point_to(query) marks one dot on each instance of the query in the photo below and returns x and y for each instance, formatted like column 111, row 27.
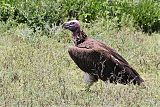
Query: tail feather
column 135, row 77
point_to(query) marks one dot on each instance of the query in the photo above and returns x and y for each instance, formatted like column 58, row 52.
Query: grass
column 36, row 13
column 36, row 71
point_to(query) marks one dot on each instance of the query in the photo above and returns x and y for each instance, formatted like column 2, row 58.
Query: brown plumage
column 99, row 61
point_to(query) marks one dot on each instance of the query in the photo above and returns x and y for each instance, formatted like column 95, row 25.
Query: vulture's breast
column 86, row 58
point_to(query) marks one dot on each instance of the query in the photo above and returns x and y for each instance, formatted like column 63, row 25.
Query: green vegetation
column 36, row 13
column 36, row 70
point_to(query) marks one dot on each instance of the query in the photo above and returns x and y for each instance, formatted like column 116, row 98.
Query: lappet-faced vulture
column 98, row 60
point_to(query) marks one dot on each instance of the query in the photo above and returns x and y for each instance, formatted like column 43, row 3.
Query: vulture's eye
column 72, row 23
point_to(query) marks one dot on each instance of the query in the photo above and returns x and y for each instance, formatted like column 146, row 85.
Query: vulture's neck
column 79, row 37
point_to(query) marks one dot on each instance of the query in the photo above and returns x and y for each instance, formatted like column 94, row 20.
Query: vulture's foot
column 87, row 89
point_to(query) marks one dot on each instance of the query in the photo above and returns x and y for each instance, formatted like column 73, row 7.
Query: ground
column 36, row 70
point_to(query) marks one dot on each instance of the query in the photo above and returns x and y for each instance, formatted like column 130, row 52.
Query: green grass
column 36, row 13
column 36, row 71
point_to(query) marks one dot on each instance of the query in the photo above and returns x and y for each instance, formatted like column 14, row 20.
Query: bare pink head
column 78, row 35
column 72, row 25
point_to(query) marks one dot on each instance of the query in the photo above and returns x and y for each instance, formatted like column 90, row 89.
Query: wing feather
column 117, row 59
column 123, row 65
column 87, row 57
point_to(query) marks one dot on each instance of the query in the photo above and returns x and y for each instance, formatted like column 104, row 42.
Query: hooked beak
column 66, row 25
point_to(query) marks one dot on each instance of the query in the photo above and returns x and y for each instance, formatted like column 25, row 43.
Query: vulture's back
column 96, row 58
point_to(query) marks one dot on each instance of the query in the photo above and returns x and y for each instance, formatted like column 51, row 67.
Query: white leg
column 89, row 80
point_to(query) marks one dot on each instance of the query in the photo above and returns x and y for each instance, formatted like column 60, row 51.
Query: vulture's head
column 72, row 25
column 78, row 35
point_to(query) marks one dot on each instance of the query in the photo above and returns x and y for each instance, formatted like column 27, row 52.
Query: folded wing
column 105, row 63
